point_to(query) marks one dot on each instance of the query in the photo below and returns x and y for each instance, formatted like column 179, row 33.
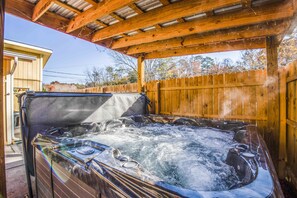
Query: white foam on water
column 185, row 156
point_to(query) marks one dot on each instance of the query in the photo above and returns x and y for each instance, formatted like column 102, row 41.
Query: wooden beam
column 165, row 2
column 2, row 119
column 202, row 49
column 275, row 11
column 41, row 7
column 292, row 25
column 161, row 15
column 136, row 9
column 180, row 20
column 273, row 105
column 246, row 32
column 140, row 73
column 247, row 3
column 100, row 10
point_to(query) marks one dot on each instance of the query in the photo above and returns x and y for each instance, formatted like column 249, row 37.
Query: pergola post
column 2, row 140
column 140, row 73
column 273, row 108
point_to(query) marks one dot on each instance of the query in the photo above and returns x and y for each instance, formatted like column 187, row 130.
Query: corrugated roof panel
column 132, row 15
column 132, row 33
column 126, row 12
column 62, row 11
column 32, row 1
column 193, row 17
column 228, row 9
column 79, row 4
column 117, row 37
column 108, row 20
column 169, row 23
column 94, row 26
column 114, row 22
column 147, row 5
column 148, row 28
column 262, row 2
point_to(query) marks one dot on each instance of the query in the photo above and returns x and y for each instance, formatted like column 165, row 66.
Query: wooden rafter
column 161, row 15
column 210, row 13
column 165, row 2
column 247, row 3
column 139, row 11
column 180, row 20
column 246, row 32
column 292, row 26
column 230, row 46
column 49, row 19
column 117, row 17
column 41, row 7
column 101, row 9
column 273, row 12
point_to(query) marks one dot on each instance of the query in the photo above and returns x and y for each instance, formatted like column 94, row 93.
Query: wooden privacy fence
column 288, row 126
column 235, row 96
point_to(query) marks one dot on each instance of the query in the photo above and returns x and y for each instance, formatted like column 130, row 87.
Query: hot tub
column 133, row 154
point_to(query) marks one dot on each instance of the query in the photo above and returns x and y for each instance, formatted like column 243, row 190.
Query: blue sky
column 70, row 54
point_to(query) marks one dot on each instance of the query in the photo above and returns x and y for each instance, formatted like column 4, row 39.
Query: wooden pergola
column 149, row 29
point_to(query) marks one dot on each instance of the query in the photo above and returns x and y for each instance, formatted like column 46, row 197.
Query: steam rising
column 189, row 157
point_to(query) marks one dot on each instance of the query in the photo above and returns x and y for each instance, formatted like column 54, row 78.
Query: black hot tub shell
column 62, row 168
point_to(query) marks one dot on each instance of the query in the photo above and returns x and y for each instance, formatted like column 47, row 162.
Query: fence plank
column 283, row 127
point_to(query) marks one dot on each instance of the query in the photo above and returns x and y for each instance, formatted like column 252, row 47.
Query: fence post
column 157, row 103
column 273, row 108
column 283, row 124
column 140, row 73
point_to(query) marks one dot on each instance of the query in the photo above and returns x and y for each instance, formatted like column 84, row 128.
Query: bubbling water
column 184, row 156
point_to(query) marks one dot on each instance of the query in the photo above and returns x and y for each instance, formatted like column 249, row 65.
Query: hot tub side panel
column 52, row 179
